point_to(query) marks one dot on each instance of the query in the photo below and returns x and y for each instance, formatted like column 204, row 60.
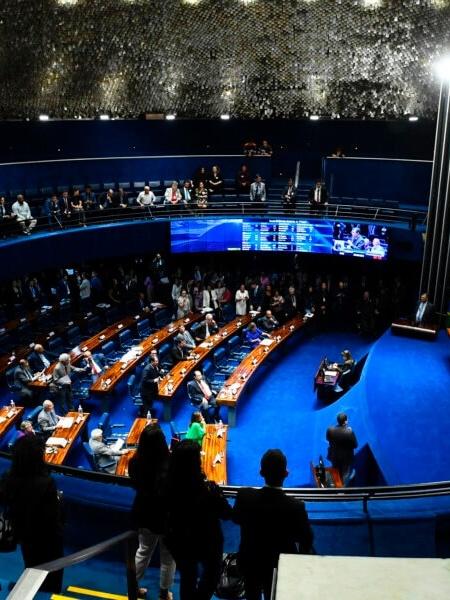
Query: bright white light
column 192, row 2
column 443, row 68
column 43, row 117
column 225, row 117
column 66, row 2
column 248, row 1
column 372, row 3
column 314, row 117
column 170, row 117
column 104, row 117
column 413, row 118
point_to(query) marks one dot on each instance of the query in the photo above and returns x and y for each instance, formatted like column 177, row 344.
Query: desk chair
column 176, row 435
column 134, row 390
column 93, row 461
column 125, row 339
column 143, row 328
column 93, row 325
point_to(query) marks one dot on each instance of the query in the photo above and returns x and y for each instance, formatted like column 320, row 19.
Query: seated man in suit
column 271, row 523
column 356, row 241
column 187, row 192
column 202, row 396
column 268, row 322
column 47, row 418
column 189, row 340
column 289, row 194
column 94, row 364
column 52, row 210
column 105, row 457
column 22, row 379
column 207, row 327
column 342, row 443
column 40, row 360
column 425, row 312
column 179, row 351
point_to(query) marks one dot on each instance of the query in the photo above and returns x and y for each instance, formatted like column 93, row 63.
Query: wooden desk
column 212, row 446
column 409, row 328
column 169, row 385
column 322, row 384
column 9, row 421
column 132, row 440
column 234, row 385
column 109, row 378
column 71, row 435
column 91, row 344
column 448, row 331
column 332, row 477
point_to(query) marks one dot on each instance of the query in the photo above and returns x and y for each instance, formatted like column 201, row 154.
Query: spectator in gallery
column 250, row 147
column 241, row 298
column 119, row 199
column 146, row 197
column 265, row 149
column 52, row 209
column 187, row 192
column 34, row 508
column 172, row 194
column 318, row 196
column 425, row 311
column 108, row 200
column 64, row 204
column 148, row 471
column 22, row 212
column 243, row 181
column 200, row 175
column 271, row 523
column 341, row 446
column 201, row 193
column 89, row 199
column 289, row 194
column 215, row 181
column 192, row 499
column 338, row 153
column 76, row 206
column 258, row 190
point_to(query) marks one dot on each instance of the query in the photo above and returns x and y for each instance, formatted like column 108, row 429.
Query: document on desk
column 118, row 445
column 2, row 419
column 330, row 373
column 267, row 342
column 56, row 441
column 65, row 422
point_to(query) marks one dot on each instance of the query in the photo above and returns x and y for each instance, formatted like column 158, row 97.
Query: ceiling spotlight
column 314, row 117
column 443, row 68
column 170, row 117
column 225, row 117
column 43, row 117
column 413, row 118
column 104, row 117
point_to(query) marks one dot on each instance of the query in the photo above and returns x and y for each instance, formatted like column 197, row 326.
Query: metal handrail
column 31, row 579
column 232, row 206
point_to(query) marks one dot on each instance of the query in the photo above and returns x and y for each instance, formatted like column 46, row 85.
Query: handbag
column 8, row 542
column 231, row 582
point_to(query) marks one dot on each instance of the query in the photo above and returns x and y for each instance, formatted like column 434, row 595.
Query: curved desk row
column 109, row 378
column 63, row 439
column 170, row 384
column 234, row 386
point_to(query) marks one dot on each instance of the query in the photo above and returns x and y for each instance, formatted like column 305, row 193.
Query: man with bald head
column 146, row 198
column 207, row 327
column 47, row 418
column 63, row 382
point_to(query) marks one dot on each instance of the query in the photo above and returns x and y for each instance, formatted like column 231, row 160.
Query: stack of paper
column 56, row 441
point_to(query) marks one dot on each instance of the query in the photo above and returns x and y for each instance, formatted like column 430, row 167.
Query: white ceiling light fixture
column 104, row 117
column 442, row 68
column 44, row 117
column 225, row 117
column 170, row 117
column 314, row 117
column 413, row 118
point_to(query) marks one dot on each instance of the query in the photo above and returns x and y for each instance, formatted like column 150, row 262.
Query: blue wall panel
column 406, row 181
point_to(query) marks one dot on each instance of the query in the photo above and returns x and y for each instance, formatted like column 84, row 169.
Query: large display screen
column 280, row 235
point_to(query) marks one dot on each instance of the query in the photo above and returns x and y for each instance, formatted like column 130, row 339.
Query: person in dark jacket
column 34, row 507
column 194, row 536
column 271, row 523
column 151, row 376
column 147, row 471
column 342, row 443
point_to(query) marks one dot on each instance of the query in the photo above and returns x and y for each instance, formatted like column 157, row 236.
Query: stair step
column 62, row 597
column 95, row 593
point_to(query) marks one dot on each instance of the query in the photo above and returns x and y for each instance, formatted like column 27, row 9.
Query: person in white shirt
column 184, row 305
column 176, row 291
column 85, row 288
column 21, row 210
column 241, row 299
column 376, row 249
column 146, row 198
column 172, row 194
column 258, row 190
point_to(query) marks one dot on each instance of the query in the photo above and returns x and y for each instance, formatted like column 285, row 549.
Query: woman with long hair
column 194, row 536
column 34, row 508
column 147, row 471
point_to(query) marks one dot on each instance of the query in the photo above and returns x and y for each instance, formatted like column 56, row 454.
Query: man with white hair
column 21, row 210
column 63, row 382
column 47, row 418
column 105, row 457
column 146, row 197
column 206, row 328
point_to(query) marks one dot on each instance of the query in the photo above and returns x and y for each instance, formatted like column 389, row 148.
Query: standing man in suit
column 203, row 396
column 62, row 379
column 289, row 194
column 255, row 296
column 271, row 523
column 425, row 311
column 151, row 376
column 187, row 192
column 22, row 379
column 342, row 444
column 318, row 196
column 292, row 303
column 258, row 190
column 40, row 360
